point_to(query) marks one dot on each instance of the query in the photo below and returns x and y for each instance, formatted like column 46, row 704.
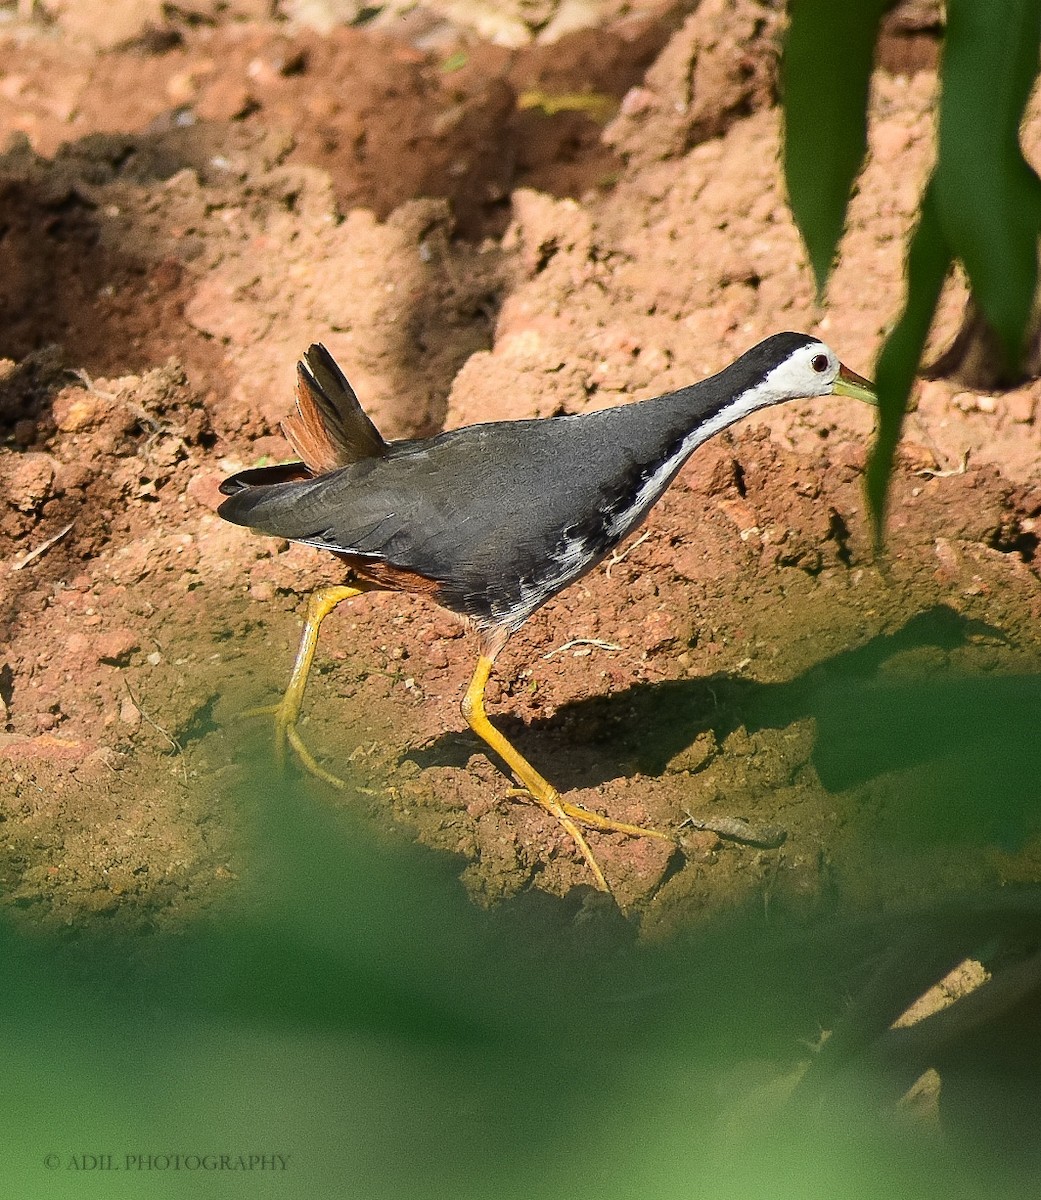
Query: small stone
column 986, row 404
column 700, row 845
column 154, row 659
column 263, row 590
column 225, row 100
column 1020, row 407
column 116, row 647
column 76, row 644
column 27, row 480
column 75, row 410
column 949, row 559
column 129, row 713
column 659, row 630
column 437, row 656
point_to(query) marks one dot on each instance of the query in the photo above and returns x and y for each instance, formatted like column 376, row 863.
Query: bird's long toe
column 286, row 715
column 290, row 733
column 595, row 820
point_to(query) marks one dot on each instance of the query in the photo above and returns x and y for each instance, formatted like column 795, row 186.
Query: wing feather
column 329, row 429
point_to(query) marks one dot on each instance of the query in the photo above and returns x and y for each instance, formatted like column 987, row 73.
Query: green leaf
column 928, row 261
column 988, row 199
column 825, row 73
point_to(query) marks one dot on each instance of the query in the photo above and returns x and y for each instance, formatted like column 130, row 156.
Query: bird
column 491, row 520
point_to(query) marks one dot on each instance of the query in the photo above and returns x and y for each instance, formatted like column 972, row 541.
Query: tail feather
column 329, row 429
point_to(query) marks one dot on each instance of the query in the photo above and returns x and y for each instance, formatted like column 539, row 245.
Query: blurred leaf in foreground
column 349, row 1009
column 928, row 262
column 826, row 70
column 982, row 206
column 987, row 196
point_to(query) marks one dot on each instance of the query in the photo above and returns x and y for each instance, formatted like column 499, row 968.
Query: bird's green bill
column 849, row 383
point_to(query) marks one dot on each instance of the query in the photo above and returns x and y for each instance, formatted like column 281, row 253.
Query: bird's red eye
column 819, row 362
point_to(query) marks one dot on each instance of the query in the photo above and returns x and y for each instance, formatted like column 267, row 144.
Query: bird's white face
column 814, row 370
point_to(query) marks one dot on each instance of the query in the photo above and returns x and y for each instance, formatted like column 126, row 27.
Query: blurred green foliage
column 982, row 206
column 827, row 64
column 348, row 1007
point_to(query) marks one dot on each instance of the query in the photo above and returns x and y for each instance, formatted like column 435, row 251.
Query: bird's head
column 795, row 364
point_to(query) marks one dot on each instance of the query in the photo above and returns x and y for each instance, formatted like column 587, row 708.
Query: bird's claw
column 308, row 761
column 286, row 731
column 588, row 818
column 260, row 710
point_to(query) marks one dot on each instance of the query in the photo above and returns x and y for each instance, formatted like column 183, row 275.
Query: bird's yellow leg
column 287, row 711
column 540, row 790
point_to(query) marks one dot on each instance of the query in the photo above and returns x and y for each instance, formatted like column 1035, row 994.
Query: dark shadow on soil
column 106, row 274
column 66, row 282
column 965, row 746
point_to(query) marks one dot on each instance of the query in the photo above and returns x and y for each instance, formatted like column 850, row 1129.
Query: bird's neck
column 705, row 408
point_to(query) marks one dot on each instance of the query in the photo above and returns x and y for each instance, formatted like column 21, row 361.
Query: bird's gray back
column 502, row 514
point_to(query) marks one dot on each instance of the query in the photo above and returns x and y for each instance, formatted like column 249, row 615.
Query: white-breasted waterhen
column 492, row 520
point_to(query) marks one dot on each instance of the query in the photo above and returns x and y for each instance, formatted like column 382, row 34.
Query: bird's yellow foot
column 532, row 783
column 287, row 711
column 550, row 801
column 595, row 820
column 570, row 815
column 547, row 796
column 286, row 715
